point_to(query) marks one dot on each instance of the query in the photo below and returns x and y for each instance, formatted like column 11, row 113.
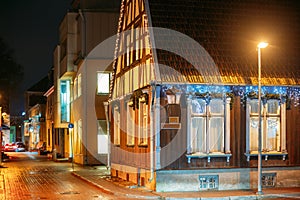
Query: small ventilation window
column 268, row 179
column 209, row 182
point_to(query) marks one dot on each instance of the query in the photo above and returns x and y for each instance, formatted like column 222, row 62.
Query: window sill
column 266, row 154
column 143, row 145
column 208, row 156
column 130, row 145
column 171, row 125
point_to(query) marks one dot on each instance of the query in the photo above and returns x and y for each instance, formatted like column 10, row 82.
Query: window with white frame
column 102, row 139
column 130, row 125
column 75, row 88
column 208, row 128
column 79, row 88
column 103, row 82
column 272, row 126
column 143, row 123
column 78, row 137
column 65, row 99
column 117, row 126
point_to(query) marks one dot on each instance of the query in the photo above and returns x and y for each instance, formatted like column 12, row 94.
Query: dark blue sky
column 30, row 28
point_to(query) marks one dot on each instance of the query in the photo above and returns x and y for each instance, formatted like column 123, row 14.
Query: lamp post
column 71, row 126
column 1, row 135
column 260, row 46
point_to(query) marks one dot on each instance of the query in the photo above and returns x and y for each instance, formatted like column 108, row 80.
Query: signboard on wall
column 12, row 137
column 26, row 129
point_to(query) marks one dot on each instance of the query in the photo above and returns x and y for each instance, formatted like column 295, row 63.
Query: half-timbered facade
column 184, row 97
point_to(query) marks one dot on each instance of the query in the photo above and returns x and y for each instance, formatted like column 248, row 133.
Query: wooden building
column 184, row 97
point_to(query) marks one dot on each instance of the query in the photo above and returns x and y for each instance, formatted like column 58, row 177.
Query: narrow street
column 30, row 176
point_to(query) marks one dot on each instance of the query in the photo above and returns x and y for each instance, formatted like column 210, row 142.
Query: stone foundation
column 228, row 179
column 140, row 177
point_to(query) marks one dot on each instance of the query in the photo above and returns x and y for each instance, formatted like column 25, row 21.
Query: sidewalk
column 99, row 176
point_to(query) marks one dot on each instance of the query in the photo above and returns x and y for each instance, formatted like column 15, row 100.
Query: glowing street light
column 260, row 46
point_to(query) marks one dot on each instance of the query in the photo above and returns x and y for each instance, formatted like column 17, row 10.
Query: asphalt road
column 27, row 175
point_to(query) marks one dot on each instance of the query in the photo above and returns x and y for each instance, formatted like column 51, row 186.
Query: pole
column 72, row 148
column 1, row 135
column 106, row 104
column 259, row 167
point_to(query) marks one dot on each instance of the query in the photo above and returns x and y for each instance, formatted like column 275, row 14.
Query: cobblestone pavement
column 29, row 176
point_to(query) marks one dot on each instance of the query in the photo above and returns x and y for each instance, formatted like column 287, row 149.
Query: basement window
column 209, row 182
column 268, row 179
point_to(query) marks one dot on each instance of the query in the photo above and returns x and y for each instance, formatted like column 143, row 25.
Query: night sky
column 30, row 28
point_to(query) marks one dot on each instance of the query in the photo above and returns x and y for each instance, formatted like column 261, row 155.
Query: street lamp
column 1, row 135
column 260, row 46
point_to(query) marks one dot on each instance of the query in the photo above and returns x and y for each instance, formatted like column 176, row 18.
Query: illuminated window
column 103, row 82
column 75, row 136
column 209, row 130
column 79, row 136
column 130, row 125
column 143, row 123
column 79, row 89
column 65, row 100
column 102, row 139
column 207, row 126
column 75, row 88
column 272, row 129
column 117, row 126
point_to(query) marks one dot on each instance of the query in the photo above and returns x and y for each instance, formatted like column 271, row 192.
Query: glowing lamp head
column 262, row 45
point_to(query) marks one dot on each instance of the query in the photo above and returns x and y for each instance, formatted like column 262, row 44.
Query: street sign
column 70, row 125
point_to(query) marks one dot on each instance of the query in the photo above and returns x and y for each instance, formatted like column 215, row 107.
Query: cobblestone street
column 29, row 176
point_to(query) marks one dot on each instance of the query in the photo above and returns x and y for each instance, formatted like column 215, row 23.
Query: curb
column 160, row 197
column 107, row 191
column 104, row 190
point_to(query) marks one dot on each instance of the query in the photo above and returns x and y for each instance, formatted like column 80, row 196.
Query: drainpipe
column 1, row 134
column 108, row 133
column 83, row 38
column 152, row 133
column 157, row 127
column 83, row 27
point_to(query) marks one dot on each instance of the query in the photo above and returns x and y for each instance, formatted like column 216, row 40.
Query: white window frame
column 103, row 82
column 279, row 138
column 65, row 101
column 117, row 127
column 79, row 86
column 79, row 137
column 130, row 125
column 207, row 115
column 75, row 88
column 143, row 123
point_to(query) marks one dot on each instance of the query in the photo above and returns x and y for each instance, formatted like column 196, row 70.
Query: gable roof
column 41, row 86
column 229, row 31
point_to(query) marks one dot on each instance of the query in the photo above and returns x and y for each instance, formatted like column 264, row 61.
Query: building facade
column 184, row 109
column 34, row 123
column 79, row 110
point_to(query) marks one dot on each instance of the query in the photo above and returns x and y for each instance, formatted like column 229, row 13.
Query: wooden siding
column 237, row 141
column 130, row 155
column 99, row 107
column 293, row 134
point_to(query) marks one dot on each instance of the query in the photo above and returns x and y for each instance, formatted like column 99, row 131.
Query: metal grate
column 209, row 182
column 268, row 179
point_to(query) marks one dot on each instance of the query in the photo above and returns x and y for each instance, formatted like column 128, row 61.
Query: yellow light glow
column 262, row 45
